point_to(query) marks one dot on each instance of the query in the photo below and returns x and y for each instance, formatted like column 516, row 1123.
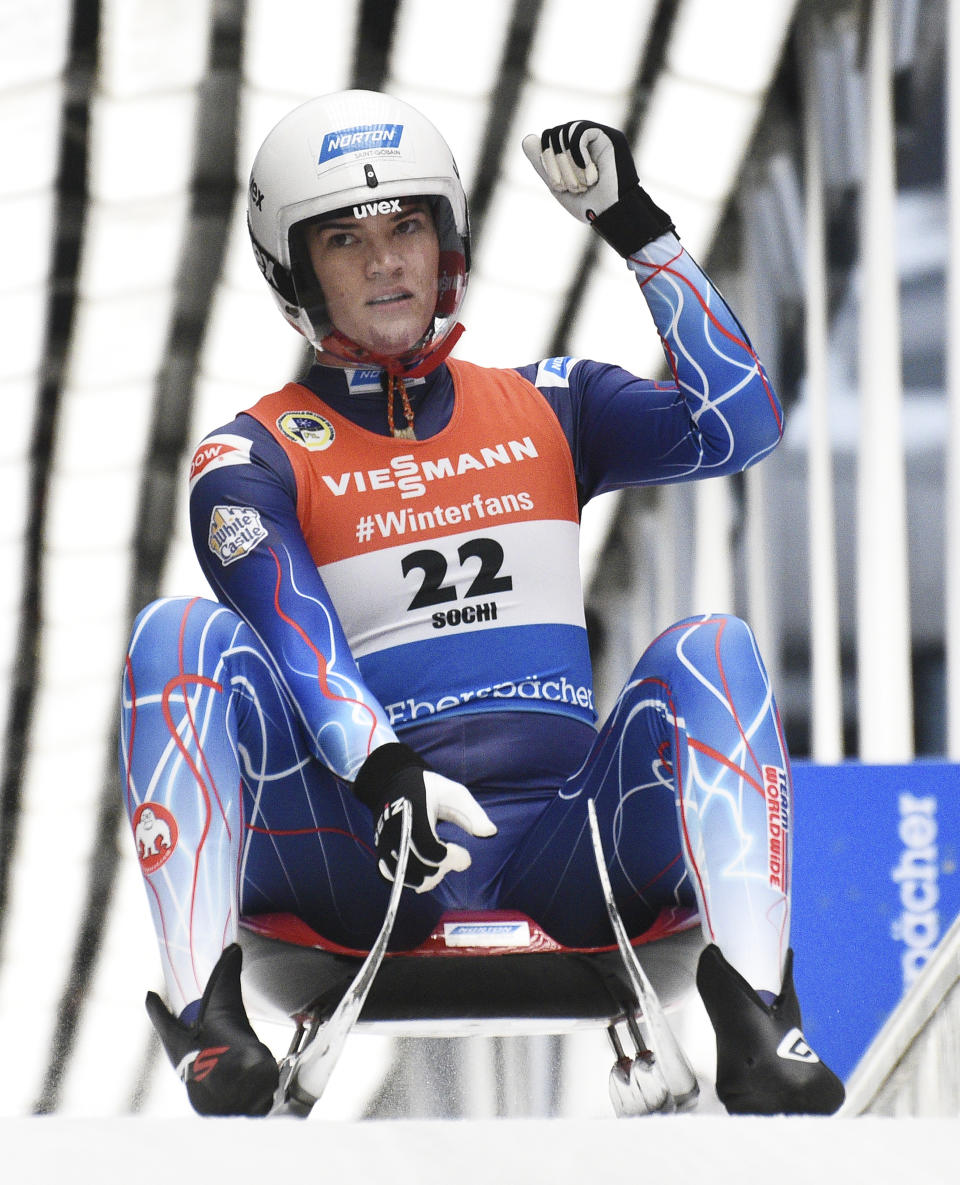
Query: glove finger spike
column 553, row 168
column 572, row 178
column 586, row 174
column 456, row 860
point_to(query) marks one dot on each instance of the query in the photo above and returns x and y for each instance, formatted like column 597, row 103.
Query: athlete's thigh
column 309, row 845
column 310, row 852
column 628, row 773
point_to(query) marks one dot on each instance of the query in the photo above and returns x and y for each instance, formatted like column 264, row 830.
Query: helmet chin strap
column 394, row 370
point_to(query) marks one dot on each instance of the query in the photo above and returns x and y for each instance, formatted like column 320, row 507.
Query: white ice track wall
column 910, row 1068
column 511, row 1152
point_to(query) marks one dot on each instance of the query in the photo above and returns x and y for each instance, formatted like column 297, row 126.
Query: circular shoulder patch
column 307, row 429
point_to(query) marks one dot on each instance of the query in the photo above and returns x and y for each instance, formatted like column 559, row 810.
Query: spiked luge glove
column 394, row 772
column 590, row 171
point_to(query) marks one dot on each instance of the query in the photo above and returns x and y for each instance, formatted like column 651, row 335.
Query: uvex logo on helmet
column 360, row 139
column 369, row 209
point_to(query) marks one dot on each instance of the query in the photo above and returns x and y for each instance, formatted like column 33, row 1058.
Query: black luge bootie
column 764, row 1064
column 226, row 1068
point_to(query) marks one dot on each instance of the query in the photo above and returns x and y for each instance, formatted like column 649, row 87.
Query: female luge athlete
column 392, row 543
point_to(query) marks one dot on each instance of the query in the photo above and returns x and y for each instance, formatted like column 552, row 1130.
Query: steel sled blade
column 669, row 1058
column 305, row 1073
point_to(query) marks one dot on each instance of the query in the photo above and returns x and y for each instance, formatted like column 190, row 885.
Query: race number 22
column 433, row 565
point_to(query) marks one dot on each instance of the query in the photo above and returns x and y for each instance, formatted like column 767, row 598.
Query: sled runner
column 490, row 972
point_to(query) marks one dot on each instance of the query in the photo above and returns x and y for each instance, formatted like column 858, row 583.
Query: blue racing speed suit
column 371, row 589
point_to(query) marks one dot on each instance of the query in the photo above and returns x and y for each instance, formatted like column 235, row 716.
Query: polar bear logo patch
column 155, row 833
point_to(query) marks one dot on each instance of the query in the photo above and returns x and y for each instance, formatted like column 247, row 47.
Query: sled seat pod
column 493, row 971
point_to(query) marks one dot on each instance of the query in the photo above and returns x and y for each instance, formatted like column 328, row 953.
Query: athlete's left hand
column 590, row 171
column 393, row 773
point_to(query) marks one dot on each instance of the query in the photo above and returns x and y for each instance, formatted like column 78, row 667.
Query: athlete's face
column 379, row 275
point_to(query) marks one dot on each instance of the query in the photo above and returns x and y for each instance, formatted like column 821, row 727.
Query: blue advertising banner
column 875, row 886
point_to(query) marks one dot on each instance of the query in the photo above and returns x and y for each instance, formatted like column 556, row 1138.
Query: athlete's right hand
column 589, row 169
column 395, row 772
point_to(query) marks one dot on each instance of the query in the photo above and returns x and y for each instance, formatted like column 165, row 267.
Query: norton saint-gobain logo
column 554, row 372
column 486, row 934
column 307, row 429
column 379, row 137
column 155, row 833
column 366, row 381
column 234, row 532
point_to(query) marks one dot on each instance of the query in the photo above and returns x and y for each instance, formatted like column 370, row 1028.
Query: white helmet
column 343, row 150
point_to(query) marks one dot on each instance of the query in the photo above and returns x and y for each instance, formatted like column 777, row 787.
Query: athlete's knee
column 702, row 643
column 734, row 631
column 725, row 633
column 174, row 631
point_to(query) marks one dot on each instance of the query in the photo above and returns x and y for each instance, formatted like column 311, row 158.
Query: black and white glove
column 589, row 168
column 393, row 773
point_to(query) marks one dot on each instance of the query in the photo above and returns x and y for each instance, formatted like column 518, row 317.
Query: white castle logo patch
column 234, row 532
